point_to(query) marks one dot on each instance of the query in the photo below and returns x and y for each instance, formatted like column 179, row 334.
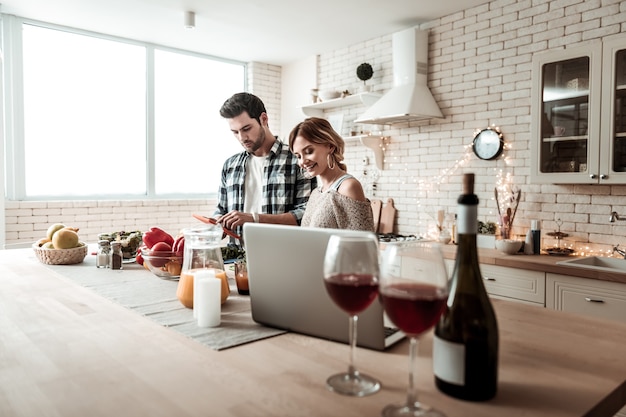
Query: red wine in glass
column 414, row 296
column 414, row 307
column 352, row 293
column 351, row 279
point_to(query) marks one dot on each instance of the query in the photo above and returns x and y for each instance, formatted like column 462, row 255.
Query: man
column 263, row 183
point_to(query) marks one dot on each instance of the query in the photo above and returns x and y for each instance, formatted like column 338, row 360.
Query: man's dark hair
column 241, row 102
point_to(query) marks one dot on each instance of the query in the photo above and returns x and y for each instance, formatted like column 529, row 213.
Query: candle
column 208, row 296
column 196, row 277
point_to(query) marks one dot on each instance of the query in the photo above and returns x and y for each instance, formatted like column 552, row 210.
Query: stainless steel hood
column 410, row 98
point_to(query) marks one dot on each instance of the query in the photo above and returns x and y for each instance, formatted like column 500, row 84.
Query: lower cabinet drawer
column 596, row 298
column 515, row 283
column 511, row 283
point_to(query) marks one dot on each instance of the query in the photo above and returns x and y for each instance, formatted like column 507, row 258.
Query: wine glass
column 351, row 279
column 413, row 291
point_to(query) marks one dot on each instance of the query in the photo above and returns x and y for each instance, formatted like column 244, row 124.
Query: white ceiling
column 269, row 31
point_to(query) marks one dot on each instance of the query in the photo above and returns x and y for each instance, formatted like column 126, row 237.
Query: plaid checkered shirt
column 285, row 188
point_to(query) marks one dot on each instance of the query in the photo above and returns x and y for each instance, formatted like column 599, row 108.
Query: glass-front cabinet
column 579, row 114
column 614, row 111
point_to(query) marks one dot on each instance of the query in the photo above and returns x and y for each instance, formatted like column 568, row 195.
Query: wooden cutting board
column 387, row 217
column 377, row 205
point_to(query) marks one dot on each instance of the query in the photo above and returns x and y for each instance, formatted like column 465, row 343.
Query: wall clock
column 488, row 143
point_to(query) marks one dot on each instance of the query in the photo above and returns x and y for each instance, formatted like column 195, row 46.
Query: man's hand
column 235, row 218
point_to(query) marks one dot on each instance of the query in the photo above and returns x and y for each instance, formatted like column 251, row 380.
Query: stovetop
column 394, row 237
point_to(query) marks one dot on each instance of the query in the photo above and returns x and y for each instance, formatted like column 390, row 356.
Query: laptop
column 285, row 272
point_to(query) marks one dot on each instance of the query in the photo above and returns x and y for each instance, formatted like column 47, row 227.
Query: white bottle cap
column 535, row 225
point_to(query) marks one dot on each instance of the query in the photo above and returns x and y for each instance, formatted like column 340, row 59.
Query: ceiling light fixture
column 190, row 20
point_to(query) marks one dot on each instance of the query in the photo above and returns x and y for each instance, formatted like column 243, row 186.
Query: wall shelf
column 376, row 144
column 317, row 109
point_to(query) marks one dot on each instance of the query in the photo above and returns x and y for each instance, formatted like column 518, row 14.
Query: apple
column 161, row 247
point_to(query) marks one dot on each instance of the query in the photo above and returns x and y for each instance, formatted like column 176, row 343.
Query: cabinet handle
column 593, row 300
column 603, row 176
column 592, row 176
column 489, row 279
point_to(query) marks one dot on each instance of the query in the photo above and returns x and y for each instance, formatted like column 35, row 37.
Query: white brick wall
column 264, row 82
column 27, row 221
column 480, row 74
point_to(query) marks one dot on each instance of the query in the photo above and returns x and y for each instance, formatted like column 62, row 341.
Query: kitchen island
column 66, row 351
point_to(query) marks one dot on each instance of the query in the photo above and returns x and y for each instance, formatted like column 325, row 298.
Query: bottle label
column 466, row 220
column 449, row 361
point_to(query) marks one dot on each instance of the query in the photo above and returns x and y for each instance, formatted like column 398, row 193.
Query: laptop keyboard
column 390, row 330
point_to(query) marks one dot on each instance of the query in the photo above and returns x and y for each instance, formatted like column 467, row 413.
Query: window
column 91, row 116
column 191, row 139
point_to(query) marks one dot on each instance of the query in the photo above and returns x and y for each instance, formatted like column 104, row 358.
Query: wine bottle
column 465, row 345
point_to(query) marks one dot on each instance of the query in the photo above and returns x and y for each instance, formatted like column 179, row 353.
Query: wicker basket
column 60, row 256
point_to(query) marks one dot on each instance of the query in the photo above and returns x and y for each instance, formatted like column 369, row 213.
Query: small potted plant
column 364, row 72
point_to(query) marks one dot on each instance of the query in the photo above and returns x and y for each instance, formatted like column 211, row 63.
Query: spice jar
column 116, row 255
column 104, row 252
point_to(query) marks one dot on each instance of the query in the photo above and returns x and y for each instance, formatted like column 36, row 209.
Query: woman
column 338, row 202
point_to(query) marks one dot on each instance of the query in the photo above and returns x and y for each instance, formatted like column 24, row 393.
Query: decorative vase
column 444, row 237
column 505, row 231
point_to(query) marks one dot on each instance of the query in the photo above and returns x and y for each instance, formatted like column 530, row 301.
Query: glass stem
column 411, row 397
column 354, row 374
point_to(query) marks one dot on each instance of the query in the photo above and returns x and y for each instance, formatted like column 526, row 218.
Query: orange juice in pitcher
column 202, row 251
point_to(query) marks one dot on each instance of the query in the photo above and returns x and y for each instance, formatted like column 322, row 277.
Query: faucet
column 620, row 251
column 615, row 216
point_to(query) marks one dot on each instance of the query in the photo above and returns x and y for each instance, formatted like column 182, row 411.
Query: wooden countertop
column 544, row 263
column 65, row 351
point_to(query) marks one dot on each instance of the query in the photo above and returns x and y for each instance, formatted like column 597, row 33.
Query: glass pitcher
column 202, row 251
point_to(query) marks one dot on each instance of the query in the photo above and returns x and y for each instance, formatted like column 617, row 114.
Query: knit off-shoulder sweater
column 329, row 209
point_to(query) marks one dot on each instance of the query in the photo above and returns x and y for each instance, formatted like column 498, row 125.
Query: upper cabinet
column 614, row 109
column 579, row 114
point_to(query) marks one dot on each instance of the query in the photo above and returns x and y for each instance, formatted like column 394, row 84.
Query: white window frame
column 14, row 157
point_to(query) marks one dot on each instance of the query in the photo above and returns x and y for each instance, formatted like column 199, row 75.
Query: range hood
column 410, row 98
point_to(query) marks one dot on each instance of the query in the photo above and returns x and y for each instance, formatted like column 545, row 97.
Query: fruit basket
column 61, row 256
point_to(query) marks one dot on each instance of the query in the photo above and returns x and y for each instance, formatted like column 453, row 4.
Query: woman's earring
column 329, row 159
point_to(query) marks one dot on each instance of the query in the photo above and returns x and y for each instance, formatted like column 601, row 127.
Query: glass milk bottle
column 202, row 251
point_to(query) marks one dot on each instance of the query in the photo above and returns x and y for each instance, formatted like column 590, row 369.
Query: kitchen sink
column 597, row 263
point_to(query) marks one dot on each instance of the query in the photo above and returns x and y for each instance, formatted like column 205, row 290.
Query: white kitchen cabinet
column 511, row 284
column 604, row 299
column 578, row 124
column 515, row 284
